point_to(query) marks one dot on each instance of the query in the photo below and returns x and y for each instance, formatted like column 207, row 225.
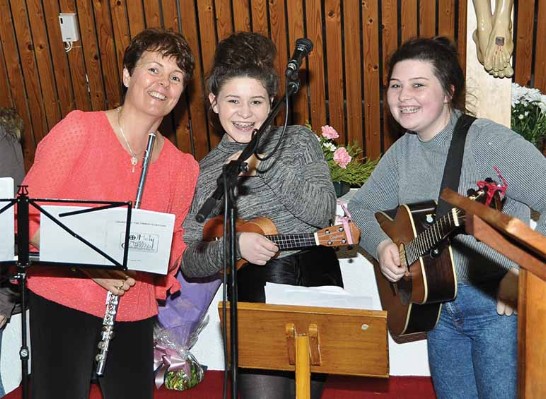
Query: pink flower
column 329, row 132
column 342, row 157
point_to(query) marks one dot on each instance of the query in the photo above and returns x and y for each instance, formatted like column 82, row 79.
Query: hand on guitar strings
column 389, row 261
column 118, row 282
column 507, row 295
column 256, row 248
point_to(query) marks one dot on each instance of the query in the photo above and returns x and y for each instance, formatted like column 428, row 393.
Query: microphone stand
column 226, row 184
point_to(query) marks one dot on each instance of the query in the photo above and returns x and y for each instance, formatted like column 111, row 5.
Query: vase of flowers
column 347, row 167
column 528, row 116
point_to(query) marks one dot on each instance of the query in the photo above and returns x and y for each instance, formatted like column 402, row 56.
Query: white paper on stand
column 7, row 225
column 149, row 240
column 325, row 296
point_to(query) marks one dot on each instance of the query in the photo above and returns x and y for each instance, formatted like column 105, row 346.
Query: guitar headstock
column 338, row 236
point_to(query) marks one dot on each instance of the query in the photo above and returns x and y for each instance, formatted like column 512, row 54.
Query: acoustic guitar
column 414, row 302
column 333, row 236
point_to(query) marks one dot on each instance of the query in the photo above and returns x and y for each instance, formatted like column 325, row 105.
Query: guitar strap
column 452, row 169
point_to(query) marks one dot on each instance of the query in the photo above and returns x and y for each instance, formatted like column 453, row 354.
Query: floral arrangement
column 346, row 164
column 529, row 114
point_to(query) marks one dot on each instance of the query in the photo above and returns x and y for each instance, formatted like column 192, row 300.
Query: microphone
column 303, row 48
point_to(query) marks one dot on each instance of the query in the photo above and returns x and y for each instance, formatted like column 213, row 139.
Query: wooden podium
column 309, row 339
column 521, row 244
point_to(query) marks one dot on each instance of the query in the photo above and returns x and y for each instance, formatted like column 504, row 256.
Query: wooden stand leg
column 303, row 368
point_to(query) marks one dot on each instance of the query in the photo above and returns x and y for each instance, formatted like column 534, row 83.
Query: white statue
column 493, row 36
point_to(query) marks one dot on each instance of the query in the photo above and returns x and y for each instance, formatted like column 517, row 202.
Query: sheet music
column 7, row 224
column 149, row 243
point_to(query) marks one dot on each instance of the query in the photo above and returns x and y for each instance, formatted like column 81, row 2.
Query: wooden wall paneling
column 92, row 77
column 15, row 80
column 353, row 71
column 389, row 23
column 169, row 15
column 461, row 32
column 408, row 19
column 44, row 65
column 540, row 49
column 241, row 15
column 122, row 34
column 107, row 51
column 259, row 17
column 152, row 13
column 6, row 101
column 59, row 60
column 135, row 16
column 204, row 136
column 524, row 38
column 31, row 79
column 277, row 26
column 76, row 63
column 224, row 18
column 315, row 65
column 427, row 18
column 333, row 50
column 295, row 30
column 372, row 79
column 446, row 18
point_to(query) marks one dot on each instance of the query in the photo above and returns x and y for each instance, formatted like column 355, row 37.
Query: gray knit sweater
column 293, row 189
column 411, row 171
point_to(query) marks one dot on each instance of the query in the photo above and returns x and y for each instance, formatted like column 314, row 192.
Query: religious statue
column 493, row 36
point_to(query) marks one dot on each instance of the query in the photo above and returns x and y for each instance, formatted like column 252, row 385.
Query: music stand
column 309, row 339
column 521, row 244
column 24, row 258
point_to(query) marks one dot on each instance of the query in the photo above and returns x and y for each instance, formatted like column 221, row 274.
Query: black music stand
column 24, row 257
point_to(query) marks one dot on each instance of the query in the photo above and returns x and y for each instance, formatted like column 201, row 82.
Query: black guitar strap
column 452, row 170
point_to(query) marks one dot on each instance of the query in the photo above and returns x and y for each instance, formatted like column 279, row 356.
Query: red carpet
column 337, row 387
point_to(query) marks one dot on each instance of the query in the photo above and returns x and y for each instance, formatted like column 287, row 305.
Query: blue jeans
column 473, row 350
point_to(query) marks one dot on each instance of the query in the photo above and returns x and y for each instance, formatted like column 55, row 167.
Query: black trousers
column 63, row 348
column 311, row 268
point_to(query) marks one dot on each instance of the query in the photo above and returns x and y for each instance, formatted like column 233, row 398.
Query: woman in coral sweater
column 98, row 156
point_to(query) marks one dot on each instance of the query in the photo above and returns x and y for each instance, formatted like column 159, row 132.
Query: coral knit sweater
column 81, row 158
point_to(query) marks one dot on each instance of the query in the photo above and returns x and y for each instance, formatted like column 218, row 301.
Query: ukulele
column 414, row 302
column 333, row 236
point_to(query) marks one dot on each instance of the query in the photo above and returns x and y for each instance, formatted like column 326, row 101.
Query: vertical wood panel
column 135, row 14
column 408, row 19
column 461, row 32
column 277, row 22
column 122, row 34
column 353, row 71
column 446, row 18
column 5, row 99
column 389, row 13
column 169, row 15
column 295, row 18
column 107, row 51
column 93, row 73
column 427, row 18
column 372, row 108
column 524, row 43
column 30, row 70
column 334, row 64
column 259, row 18
column 540, row 55
column 315, row 65
column 224, row 17
column 241, row 15
column 152, row 12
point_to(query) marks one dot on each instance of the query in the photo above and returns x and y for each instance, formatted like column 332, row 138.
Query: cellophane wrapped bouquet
column 180, row 321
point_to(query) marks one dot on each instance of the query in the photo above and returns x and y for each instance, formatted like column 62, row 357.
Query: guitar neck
column 293, row 241
column 433, row 236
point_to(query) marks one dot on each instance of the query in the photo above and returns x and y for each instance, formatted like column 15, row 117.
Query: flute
column 112, row 300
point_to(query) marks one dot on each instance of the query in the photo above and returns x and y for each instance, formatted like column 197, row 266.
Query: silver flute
column 112, row 300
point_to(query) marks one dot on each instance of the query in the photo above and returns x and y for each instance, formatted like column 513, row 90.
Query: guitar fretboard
column 293, row 241
column 433, row 236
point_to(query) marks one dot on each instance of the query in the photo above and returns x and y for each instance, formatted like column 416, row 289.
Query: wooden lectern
column 521, row 244
column 309, row 339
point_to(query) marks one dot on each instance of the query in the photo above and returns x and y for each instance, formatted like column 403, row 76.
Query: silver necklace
column 134, row 157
